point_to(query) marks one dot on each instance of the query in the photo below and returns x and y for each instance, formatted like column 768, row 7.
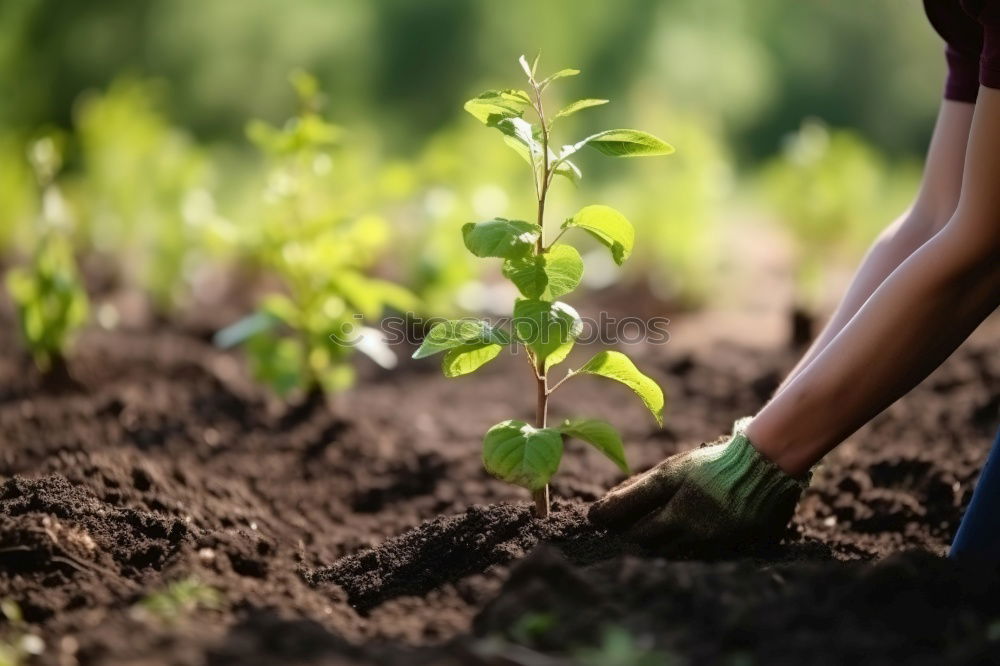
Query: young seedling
column 302, row 339
column 48, row 295
column 177, row 601
column 828, row 188
column 546, row 328
column 18, row 644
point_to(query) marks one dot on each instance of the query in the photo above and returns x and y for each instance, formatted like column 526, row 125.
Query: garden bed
column 368, row 532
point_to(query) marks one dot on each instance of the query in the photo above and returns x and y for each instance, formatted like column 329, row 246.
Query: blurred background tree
column 759, row 67
column 155, row 95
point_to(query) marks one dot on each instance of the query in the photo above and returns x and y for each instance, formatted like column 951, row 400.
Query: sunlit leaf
column 494, row 105
column 601, row 435
column 447, row 335
column 608, row 226
column 528, row 70
column 579, row 105
column 626, row 143
column 468, row 358
column 545, row 326
column 561, row 74
column 558, row 355
column 499, row 237
column 523, row 455
column 617, row 366
column 522, row 132
column 548, row 275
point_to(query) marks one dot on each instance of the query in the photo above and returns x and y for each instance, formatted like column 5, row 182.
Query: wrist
column 795, row 461
column 754, row 473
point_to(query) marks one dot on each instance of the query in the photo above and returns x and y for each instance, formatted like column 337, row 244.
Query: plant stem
column 560, row 382
column 541, row 497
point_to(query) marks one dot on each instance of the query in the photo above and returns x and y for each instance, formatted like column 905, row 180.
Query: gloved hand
column 709, row 499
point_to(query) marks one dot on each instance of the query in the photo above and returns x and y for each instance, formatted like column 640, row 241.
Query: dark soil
column 366, row 531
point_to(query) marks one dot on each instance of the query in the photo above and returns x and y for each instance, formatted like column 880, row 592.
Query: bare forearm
column 934, row 206
column 891, row 248
column 912, row 322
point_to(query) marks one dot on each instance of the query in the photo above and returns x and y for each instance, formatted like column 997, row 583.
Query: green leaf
column 559, row 354
column 519, row 148
column 564, row 167
column 520, row 131
column 545, row 326
column 579, row 105
column 279, row 362
column 529, row 71
column 518, row 453
column 568, row 170
column 370, row 296
column 493, row 105
column 281, row 308
column 561, row 74
column 458, row 332
column 608, row 226
column 499, row 237
column 548, row 275
column 468, row 358
column 393, row 295
column 626, row 143
column 617, row 366
column 601, row 435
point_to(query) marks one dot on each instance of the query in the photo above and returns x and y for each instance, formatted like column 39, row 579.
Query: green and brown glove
column 710, row 499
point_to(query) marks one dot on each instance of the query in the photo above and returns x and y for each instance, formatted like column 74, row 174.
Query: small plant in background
column 17, row 643
column 831, row 190
column 680, row 260
column 178, row 600
column 545, row 327
column 144, row 190
column 48, row 295
column 302, row 339
column 18, row 196
column 620, row 648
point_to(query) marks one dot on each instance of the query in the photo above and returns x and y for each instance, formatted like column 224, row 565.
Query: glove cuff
column 753, row 482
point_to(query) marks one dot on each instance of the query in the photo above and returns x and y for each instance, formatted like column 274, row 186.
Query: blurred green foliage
column 143, row 188
column 400, row 65
column 312, row 231
column 18, row 644
column 833, row 192
column 150, row 102
column 48, row 295
column 49, row 299
column 177, row 600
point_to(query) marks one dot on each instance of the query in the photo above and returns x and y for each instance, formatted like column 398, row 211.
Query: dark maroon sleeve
column 987, row 13
column 963, row 36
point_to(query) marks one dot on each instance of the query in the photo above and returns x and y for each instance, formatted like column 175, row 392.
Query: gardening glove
column 710, row 499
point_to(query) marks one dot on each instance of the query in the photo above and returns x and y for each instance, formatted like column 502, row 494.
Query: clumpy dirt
column 366, row 532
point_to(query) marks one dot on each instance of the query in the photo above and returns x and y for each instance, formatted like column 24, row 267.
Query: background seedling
column 620, row 648
column 177, row 600
column 144, row 190
column 515, row 451
column 833, row 192
column 301, row 339
column 17, row 643
column 48, row 295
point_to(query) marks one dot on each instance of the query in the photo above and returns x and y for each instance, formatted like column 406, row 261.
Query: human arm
column 926, row 307
column 911, row 323
column 935, row 203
